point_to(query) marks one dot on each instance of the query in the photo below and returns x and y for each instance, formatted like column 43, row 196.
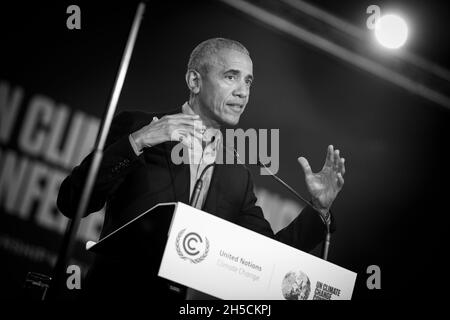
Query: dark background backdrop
column 392, row 211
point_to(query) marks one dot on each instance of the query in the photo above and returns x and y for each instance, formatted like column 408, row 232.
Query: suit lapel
column 180, row 174
column 212, row 198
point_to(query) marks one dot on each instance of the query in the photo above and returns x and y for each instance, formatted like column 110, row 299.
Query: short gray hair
column 201, row 54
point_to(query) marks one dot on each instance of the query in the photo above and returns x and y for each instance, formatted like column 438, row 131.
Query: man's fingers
column 197, row 134
column 194, row 123
column 341, row 166
column 178, row 135
column 336, row 158
column 340, row 181
column 188, row 128
column 305, row 165
column 330, row 156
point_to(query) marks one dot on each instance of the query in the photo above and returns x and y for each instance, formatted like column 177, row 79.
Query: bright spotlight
column 391, row 31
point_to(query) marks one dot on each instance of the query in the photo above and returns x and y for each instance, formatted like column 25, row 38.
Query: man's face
column 225, row 88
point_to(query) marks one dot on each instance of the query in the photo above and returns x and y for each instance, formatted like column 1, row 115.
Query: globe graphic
column 296, row 286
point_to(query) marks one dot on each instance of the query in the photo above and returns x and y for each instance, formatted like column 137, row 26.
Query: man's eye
column 248, row 82
column 230, row 77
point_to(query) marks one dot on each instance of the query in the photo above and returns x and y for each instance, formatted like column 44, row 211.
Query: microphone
column 196, row 193
column 326, row 220
column 198, row 187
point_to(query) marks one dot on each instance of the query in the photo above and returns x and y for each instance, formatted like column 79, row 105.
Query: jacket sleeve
column 118, row 158
column 305, row 232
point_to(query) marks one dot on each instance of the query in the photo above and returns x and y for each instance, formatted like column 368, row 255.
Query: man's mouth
column 236, row 107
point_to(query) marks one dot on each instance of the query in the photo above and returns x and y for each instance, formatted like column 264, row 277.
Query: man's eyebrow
column 233, row 71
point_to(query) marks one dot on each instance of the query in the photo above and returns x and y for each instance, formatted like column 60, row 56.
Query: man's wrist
column 325, row 213
column 135, row 144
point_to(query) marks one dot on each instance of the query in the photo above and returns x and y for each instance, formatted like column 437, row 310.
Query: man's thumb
column 305, row 166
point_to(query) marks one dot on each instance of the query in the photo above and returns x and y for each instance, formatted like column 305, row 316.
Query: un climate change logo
column 191, row 246
column 296, row 286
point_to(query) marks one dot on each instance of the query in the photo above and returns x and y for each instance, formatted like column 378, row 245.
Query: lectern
column 224, row 260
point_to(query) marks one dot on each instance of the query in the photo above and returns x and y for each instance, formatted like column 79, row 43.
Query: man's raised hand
column 326, row 184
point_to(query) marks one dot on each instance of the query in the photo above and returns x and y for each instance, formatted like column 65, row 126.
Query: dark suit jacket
column 130, row 184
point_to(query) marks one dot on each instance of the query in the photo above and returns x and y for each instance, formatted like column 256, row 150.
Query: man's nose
column 242, row 90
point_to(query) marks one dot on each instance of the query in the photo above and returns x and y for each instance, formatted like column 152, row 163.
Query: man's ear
column 193, row 81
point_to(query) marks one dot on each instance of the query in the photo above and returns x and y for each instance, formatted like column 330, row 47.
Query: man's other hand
column 326, row 184
column 169, row 128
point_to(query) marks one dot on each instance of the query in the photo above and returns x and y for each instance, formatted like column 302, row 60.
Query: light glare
column 391, row 31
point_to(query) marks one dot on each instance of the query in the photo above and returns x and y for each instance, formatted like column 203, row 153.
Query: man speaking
column 138, row 172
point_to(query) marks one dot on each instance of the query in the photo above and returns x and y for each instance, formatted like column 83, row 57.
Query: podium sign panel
column 229, row 262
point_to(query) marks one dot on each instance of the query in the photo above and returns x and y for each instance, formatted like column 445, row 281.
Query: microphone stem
column 327, row 240
column 286, row 185
column 326, row 243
